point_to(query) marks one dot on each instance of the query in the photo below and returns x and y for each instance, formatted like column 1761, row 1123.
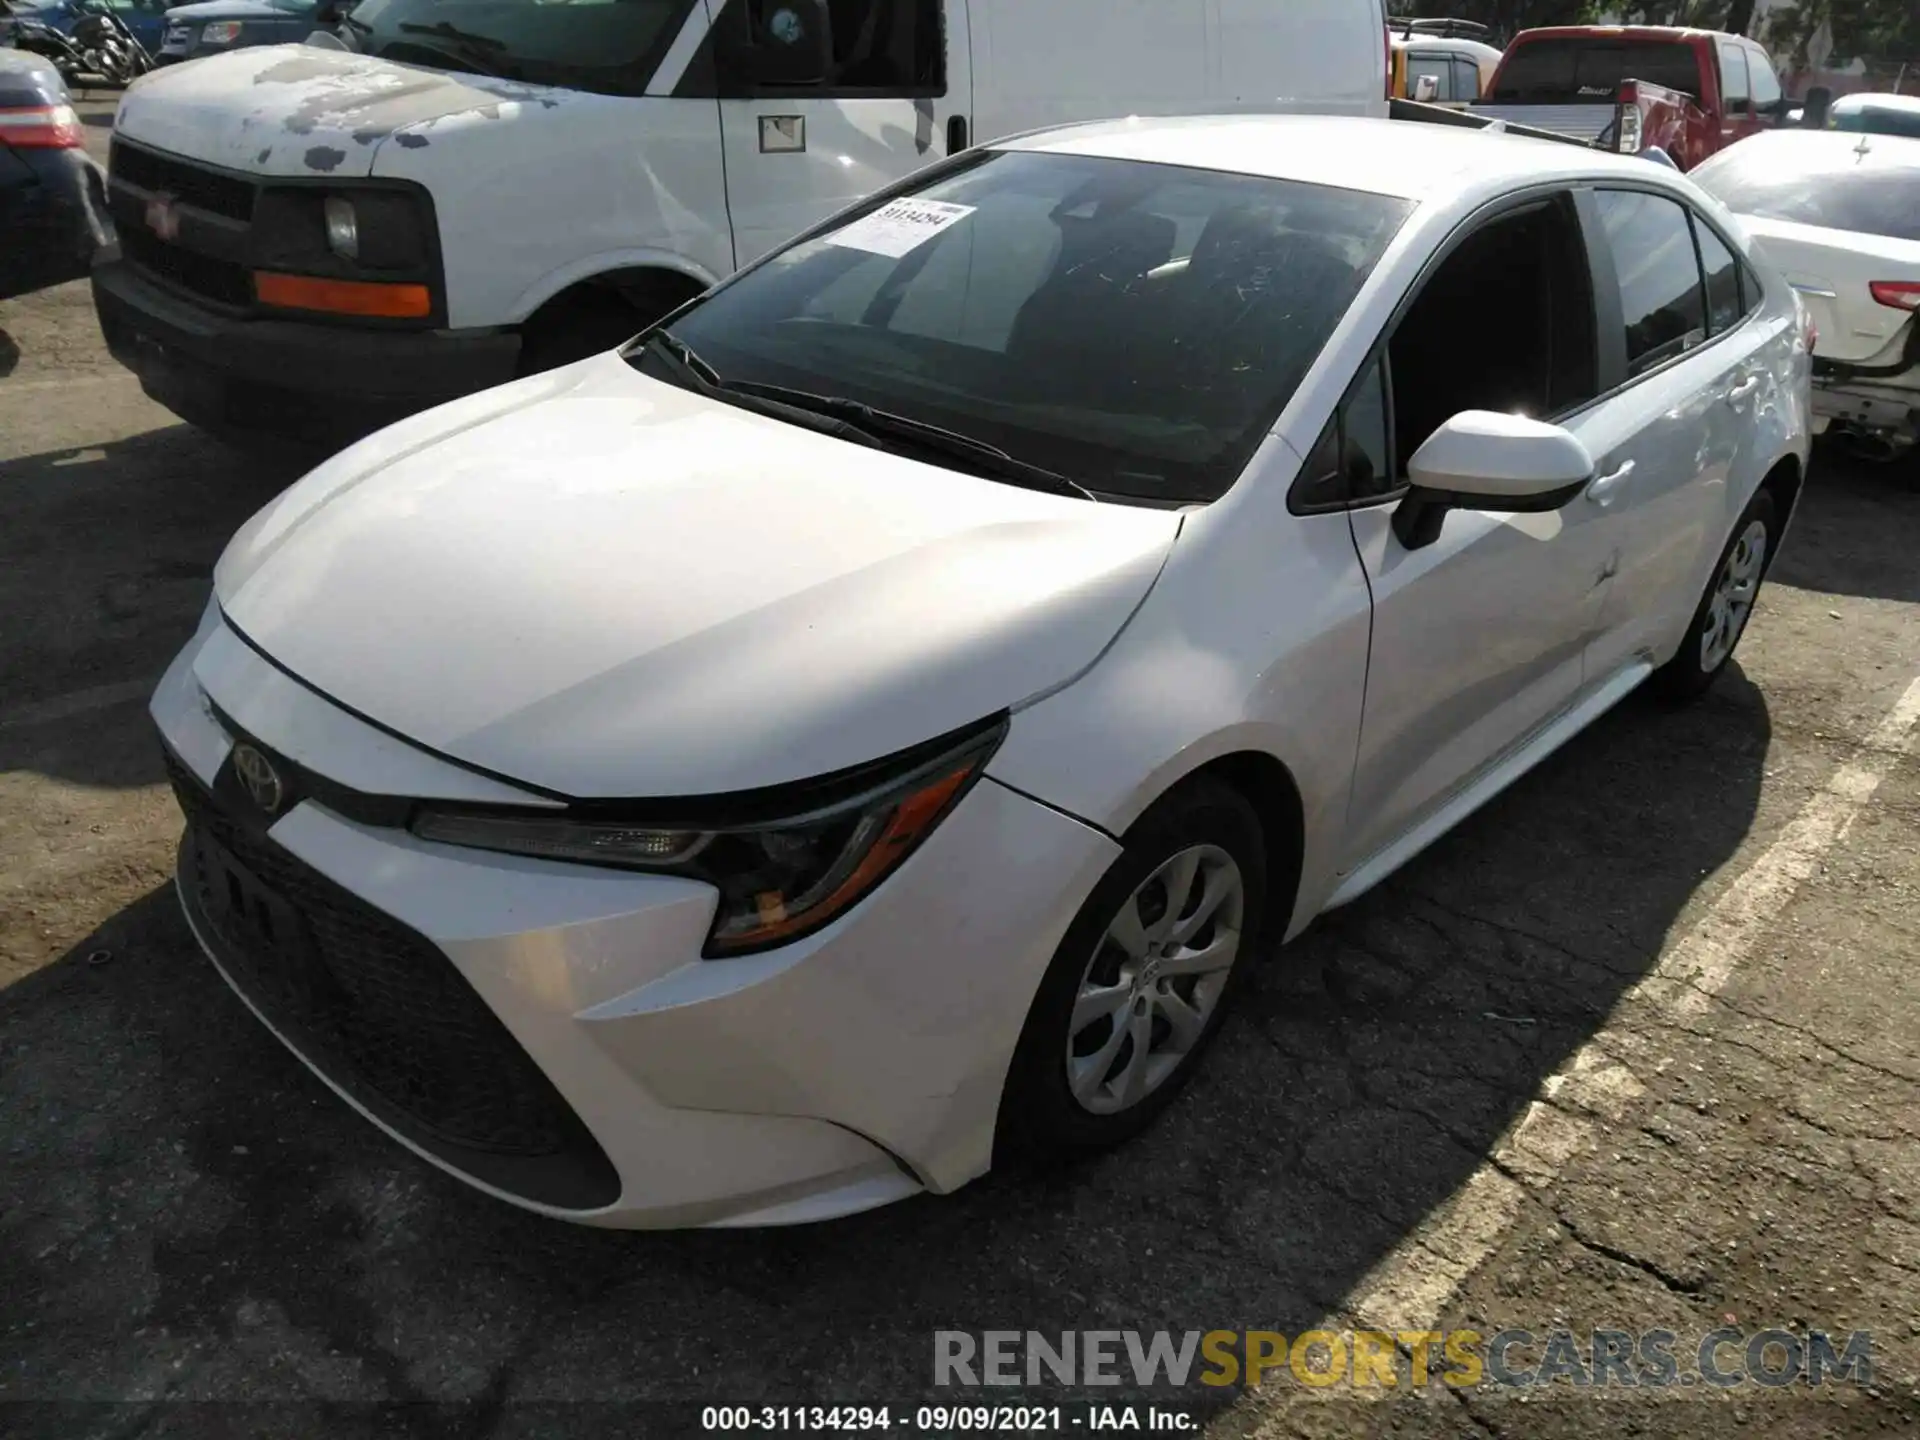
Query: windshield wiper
column 449, row 31
column 989, row 460
column 697, row 374
column 466, row 46
column 853, row 420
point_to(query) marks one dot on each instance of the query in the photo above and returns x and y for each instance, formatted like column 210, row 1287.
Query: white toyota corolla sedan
column 872, row 722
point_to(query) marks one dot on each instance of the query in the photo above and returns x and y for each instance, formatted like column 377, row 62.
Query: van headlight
column 785, row 862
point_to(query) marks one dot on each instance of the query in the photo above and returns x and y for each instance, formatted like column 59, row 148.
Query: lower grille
column 218, row 280
column 382, row 1012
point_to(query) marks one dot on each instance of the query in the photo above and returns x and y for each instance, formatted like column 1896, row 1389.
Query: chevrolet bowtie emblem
column 162, row 218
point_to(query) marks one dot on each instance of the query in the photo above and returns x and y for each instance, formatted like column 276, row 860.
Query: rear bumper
column 53, row 225
column 329, row 382
column 1887, row 407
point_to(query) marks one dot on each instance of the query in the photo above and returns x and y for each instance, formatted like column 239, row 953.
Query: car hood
column 602, row 585
column 302, row 110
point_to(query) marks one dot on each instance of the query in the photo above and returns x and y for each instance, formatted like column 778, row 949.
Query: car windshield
column 1575, row 71
column 1136, row 328
column 1813, row 190
column 607, row 46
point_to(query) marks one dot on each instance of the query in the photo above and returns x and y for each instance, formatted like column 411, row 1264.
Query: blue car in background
column 211, row 26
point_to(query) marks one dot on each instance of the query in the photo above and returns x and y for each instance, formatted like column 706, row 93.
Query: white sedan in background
column 872, row 722
column 1839, row 213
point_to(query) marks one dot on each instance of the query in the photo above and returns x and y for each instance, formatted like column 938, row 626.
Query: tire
column 1041, row 1116
column 592, row 319
column 1736, row 580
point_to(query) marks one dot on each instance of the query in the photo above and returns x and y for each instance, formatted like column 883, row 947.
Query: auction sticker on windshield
column 899, row 226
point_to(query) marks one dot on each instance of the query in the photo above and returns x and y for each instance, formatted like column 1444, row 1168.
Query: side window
column 1439, row 67
column 877, row 47
column 1659, row 276
column 1350, row 463
column 1765, row 84
column 1734, row 90
column 1504, row 323
column 1722, row 269
column 1466, row 80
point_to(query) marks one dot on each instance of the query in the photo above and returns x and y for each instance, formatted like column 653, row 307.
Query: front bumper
column 330, row 383
column 852, row 1068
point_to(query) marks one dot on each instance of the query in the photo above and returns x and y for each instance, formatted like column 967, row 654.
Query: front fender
column 605, row 263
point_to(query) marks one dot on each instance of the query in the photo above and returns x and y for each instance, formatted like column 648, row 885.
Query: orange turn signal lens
column 342, row 297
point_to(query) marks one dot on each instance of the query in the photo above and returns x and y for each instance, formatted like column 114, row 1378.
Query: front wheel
column 1721, row 618
column 1141, row 981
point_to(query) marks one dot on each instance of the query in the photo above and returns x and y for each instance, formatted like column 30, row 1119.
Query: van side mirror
column 1426, row 88
column 1480, row 460
column 780, row 42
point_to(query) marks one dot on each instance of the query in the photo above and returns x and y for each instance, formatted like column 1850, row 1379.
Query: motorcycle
column 109, row 49
column 100, row 45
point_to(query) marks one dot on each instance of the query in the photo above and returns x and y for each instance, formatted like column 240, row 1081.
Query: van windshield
column 1136, row 328
column 1571, row 72
column 607, row 46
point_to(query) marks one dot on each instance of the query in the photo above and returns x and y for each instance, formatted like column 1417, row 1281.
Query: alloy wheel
column 1733, row 596
column 1154, row 979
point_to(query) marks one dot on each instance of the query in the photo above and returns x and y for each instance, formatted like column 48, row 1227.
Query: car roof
column 1878, row 100
column 1802, row 150
column 1674, row 33
column 1404, row 158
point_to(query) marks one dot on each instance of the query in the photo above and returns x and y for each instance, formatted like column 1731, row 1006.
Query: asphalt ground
column 1637, row 1049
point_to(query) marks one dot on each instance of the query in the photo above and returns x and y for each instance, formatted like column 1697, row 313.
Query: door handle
column 1740, row 392
column 956, row 134
column 1600, row 492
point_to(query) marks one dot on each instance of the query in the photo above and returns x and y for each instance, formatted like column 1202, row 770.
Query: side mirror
column 1480, row 460
column 781, row 42
column 1426, row 88
column 1817, row 107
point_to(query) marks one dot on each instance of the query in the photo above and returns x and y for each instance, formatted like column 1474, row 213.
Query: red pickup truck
column 1634, row 88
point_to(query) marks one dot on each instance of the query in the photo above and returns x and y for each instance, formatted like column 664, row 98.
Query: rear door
column 1684, row 355
column 899, row 94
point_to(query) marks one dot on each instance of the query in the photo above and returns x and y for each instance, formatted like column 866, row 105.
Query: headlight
column 221, row 32
column 343, row 227
column 785, row 868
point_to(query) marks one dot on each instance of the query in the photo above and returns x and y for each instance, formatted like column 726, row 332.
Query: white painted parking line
column 76, row 702
column 1412, row 1287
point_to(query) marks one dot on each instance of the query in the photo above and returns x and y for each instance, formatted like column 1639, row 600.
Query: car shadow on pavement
column 181, row 1193
column 109, row 557
column 1856, row 527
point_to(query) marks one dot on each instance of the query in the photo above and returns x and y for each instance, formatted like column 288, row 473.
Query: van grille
column 191, row 184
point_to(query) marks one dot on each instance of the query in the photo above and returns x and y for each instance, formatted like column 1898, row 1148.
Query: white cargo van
column 443, row 194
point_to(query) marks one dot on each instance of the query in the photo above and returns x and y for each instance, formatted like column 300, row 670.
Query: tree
column 1875, row 29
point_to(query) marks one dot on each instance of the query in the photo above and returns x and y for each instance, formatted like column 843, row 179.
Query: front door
column 897, row 94
column 1479, row 638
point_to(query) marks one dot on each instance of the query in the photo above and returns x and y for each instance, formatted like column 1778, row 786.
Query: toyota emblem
column 262, row 781
column 162, row 218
